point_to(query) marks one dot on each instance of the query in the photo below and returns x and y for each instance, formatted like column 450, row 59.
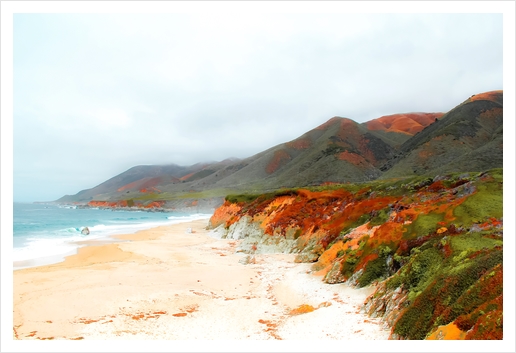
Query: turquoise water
column 46, row 233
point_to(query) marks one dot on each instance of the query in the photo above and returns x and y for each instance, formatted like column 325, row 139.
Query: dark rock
column 306, row 257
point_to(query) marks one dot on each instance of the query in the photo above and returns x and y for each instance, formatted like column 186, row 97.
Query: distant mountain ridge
column 467, row 138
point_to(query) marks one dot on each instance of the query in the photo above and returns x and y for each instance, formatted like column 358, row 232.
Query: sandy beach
column 168, row 284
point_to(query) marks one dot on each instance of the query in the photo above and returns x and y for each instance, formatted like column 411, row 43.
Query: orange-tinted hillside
column 495, row 96
column 410, row 123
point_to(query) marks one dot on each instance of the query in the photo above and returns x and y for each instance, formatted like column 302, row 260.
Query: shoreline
column 102, row 239
column 166, row 283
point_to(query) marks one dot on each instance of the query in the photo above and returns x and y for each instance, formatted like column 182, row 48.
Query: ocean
column 47, row 233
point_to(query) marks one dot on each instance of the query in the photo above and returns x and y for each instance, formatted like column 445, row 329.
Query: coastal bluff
column 429, row 247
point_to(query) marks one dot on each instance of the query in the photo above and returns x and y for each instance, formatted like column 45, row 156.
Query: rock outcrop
column 254, row 240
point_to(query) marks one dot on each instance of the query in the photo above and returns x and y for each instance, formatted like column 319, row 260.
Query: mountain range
column 467, row 138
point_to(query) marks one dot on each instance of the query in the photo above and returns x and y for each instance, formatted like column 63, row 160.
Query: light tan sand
column 168, row 284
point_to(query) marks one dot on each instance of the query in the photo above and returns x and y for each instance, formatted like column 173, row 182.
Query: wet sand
column 168, row 284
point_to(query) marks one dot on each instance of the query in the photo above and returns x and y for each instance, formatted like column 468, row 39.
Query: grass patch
column 471, row 242
column 424, row 224
column 150, row 196
column 380, row 217
column 486, row 202
column 248, row 198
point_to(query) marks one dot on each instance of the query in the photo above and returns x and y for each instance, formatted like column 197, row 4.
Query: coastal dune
column 179, row 283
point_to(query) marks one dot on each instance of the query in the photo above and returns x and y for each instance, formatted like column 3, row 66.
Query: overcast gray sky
column 96, row 94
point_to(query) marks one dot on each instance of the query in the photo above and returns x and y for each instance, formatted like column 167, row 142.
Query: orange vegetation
column 300, row 144
column 271, row 328
column 144, row 184
column 108, row 204
column 349, row 137
column 489, row 117
column 447, row 332
column 224, row 213
column 150, row 190
column 329, row 123
column 368, row 235
column 490, row 96
column 409, row 123
column 280, row 158
column 352, row 158
column 155, row 204
column 125, row 203
column 302, row 309
column 186, row 176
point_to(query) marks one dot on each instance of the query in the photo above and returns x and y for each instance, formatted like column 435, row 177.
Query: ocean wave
column 59, row 234
column 191, row 217
column 44, row 247
column 73, row 207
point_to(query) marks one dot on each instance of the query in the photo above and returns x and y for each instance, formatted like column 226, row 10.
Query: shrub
column 437, row 301
column 374, row 270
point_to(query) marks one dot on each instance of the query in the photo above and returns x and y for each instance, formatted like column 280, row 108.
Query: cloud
column 95, row 94
column 108, row 119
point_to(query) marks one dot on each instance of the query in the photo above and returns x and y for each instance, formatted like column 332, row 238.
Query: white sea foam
column 72, row 207
column 45, row 247
column 188, row 218
column 53, row 247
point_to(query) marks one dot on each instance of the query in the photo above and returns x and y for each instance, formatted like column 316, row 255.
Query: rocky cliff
column 432, row 246
column 206, row 205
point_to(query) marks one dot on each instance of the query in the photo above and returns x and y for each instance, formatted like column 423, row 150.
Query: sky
column 95, row 94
